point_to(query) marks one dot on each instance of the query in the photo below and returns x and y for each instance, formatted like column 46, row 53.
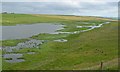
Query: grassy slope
column 81, row 51
column 13, row 19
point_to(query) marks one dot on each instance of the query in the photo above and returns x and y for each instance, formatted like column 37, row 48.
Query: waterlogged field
column 82, row 44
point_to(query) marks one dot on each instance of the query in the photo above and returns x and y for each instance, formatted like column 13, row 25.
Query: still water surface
column 26, row 31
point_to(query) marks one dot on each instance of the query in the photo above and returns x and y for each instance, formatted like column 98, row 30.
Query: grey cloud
column 91, row 6
column 84, row 8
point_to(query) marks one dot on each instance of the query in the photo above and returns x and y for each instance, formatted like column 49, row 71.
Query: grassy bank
column 82, row 51
column 11, row 42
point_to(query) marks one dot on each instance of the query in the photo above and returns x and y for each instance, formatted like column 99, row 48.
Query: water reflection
column 28, row 44
column 89, row 28
column 31, row 53
column 61, row 40
column 33, row 43
column 13, row 58
column 26, row 31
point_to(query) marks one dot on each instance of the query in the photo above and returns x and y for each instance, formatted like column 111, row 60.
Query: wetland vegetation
column 80, row 51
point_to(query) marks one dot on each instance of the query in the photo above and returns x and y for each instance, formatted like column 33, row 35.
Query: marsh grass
column 46, row 36
column 80, row 51
column 12, row 42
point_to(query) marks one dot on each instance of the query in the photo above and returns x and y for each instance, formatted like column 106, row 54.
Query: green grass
column 82, row 50
column 73, row 29
column 0, row 60
column 78, row 53
column 46, row 36
column 11, row 42
column 13, row 19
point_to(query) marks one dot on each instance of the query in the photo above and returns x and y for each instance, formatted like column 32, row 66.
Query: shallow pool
column 26, row 31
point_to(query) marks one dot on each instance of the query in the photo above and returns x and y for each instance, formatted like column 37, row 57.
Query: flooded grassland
column 52, row 43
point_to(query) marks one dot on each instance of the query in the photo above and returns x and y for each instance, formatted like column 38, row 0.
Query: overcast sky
column 105, row 8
